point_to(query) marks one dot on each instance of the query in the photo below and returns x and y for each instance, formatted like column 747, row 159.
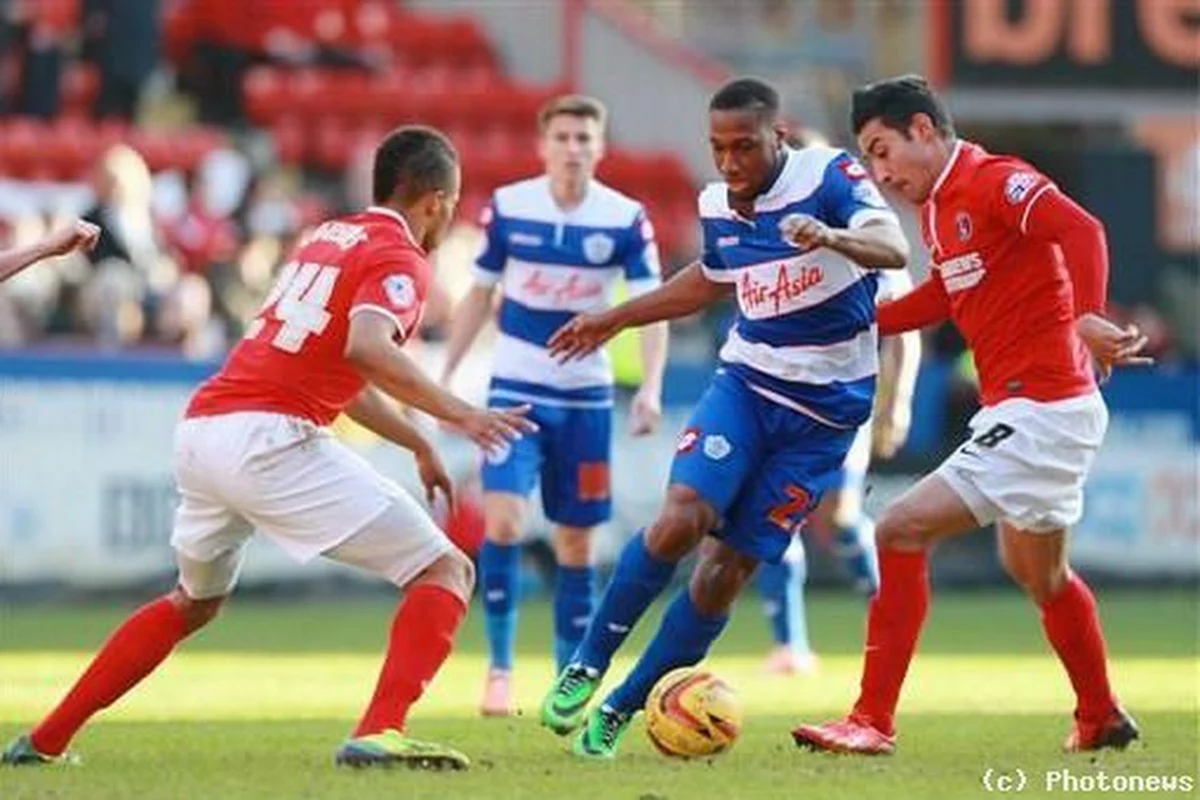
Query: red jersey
column 1008, row 292
column 292, row 359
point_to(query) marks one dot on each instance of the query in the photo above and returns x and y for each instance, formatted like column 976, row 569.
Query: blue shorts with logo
column 761, row 465
column 569, row 455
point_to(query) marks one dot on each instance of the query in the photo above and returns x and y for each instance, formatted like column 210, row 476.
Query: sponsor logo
column 687, row 440
column 400, row 291
column 962, row 272
column 789, row 285
column 598, row 248
column 962, row 223
column 562, row 291
column 1017, row 186
column 728, row 241
column 527, row 239
column 717, row 446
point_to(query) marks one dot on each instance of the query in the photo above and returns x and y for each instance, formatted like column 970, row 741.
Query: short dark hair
column 895, row 102
column 412, row 161
column 747, row 94
column 572, row 105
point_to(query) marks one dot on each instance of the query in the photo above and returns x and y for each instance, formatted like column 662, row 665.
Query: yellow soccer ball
column 692, row 713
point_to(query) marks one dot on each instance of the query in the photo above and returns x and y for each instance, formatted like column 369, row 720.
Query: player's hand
column 889, row 431
column 805, row 232
column 494, row 428
column 582, row 335
column 1111, row 345
column 79, row 235
column 645, row 412
column 434, row 476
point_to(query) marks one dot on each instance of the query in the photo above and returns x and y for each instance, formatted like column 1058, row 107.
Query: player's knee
column 505, row 520
column 718, row 579
column 573, row 546
column 452, row 571
column 901, row 527
column 196, row 612
column 684, row 521
column 1043, row 585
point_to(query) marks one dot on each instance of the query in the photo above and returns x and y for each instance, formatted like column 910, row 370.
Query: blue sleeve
column 641, row 253
column 489, row 265
column 848, row 195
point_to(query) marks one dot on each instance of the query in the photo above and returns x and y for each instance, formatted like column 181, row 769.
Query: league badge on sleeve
column 400, row 291
column 1017, row 186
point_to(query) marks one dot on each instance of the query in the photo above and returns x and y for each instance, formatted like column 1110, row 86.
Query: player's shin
column 638, row 578
column 500, row 576
column 894, row 622
column 855, row 545
column 1072, row 626
column 421, row 638
column 683, row 639
column 573, row 606
column 131, row 653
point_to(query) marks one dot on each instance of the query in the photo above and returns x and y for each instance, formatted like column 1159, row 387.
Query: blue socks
column 500, row 575
column 855, row 546
column 781, row 587
column 683, row 639
column 638, row 578
column 573, row 604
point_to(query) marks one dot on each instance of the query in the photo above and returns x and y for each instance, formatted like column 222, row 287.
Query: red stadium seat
column 265, row 91
column 291, row 140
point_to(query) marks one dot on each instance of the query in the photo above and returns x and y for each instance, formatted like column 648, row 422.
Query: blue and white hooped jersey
column 554, row 264
column 805, row 334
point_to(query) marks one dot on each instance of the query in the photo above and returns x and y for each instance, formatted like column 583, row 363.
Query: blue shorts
column 762, row 466
column 569, row 454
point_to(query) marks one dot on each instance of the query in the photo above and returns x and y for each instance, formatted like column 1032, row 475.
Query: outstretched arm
column 376, row 412
column 924, row 306
column 469, row 317
column 877, row 243
column 685, row 293
column 78, row 236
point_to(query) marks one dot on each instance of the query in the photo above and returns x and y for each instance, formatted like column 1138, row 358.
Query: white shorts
column 1026, row 461
column 294, row 482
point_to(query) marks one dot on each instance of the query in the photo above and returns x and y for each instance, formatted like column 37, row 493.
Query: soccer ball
column 692, row 713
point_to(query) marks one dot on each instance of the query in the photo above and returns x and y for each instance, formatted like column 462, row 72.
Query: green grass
column 254, row 707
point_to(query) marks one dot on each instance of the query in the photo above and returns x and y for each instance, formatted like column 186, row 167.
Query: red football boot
column 850, row 735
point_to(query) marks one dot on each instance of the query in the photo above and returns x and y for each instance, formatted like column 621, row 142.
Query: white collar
column 950, row 162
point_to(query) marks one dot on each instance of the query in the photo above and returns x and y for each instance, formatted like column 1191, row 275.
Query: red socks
column 1073, row 628
column 893, row 626
column 422, row 635
column 132, row 652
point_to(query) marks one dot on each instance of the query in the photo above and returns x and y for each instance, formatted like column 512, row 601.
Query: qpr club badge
column 598, row 248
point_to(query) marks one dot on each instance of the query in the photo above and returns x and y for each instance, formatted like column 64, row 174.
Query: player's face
column 906, row 164
column 571, row 147
column 745, row 150
column 440, row 213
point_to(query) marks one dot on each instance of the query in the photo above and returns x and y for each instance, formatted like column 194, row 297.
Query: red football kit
column 291, row 360
column 1015, row 262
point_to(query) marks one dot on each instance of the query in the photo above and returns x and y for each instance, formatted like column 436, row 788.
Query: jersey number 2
column 299, row 298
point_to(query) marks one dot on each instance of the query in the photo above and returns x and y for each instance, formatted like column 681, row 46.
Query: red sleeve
column 926, row 305
column 394, row 286
column 1080, row 236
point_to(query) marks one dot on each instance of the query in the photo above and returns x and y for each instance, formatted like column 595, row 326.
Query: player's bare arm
column 685, row 293
column 1080, row 237
column 646, row 408
column 372, row 349
column 79, row 235
column 379, row 414
column 878, row 243
column 899, row 362
column 468, row 319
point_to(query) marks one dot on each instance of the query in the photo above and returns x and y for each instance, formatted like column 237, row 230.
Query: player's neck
column 568, row 194
column 415, row 228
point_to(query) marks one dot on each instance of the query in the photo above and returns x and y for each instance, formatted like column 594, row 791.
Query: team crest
column 962, row 223
column 400, row 291
column 598, row 248
column 1017, row 187
column 717, row 446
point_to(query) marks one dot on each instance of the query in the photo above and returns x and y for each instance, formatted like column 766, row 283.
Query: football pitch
column 255, row 705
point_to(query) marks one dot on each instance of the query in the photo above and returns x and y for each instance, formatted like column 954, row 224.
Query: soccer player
column 795, row 235
column 253, row 452
column 79, row 235
column 1022, row 272
column 556, row 245
column 840, row 512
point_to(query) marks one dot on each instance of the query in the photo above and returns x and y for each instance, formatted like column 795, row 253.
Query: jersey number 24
column 298, row 300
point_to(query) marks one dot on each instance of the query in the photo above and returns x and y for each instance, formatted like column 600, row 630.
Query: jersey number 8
column 298, row 300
